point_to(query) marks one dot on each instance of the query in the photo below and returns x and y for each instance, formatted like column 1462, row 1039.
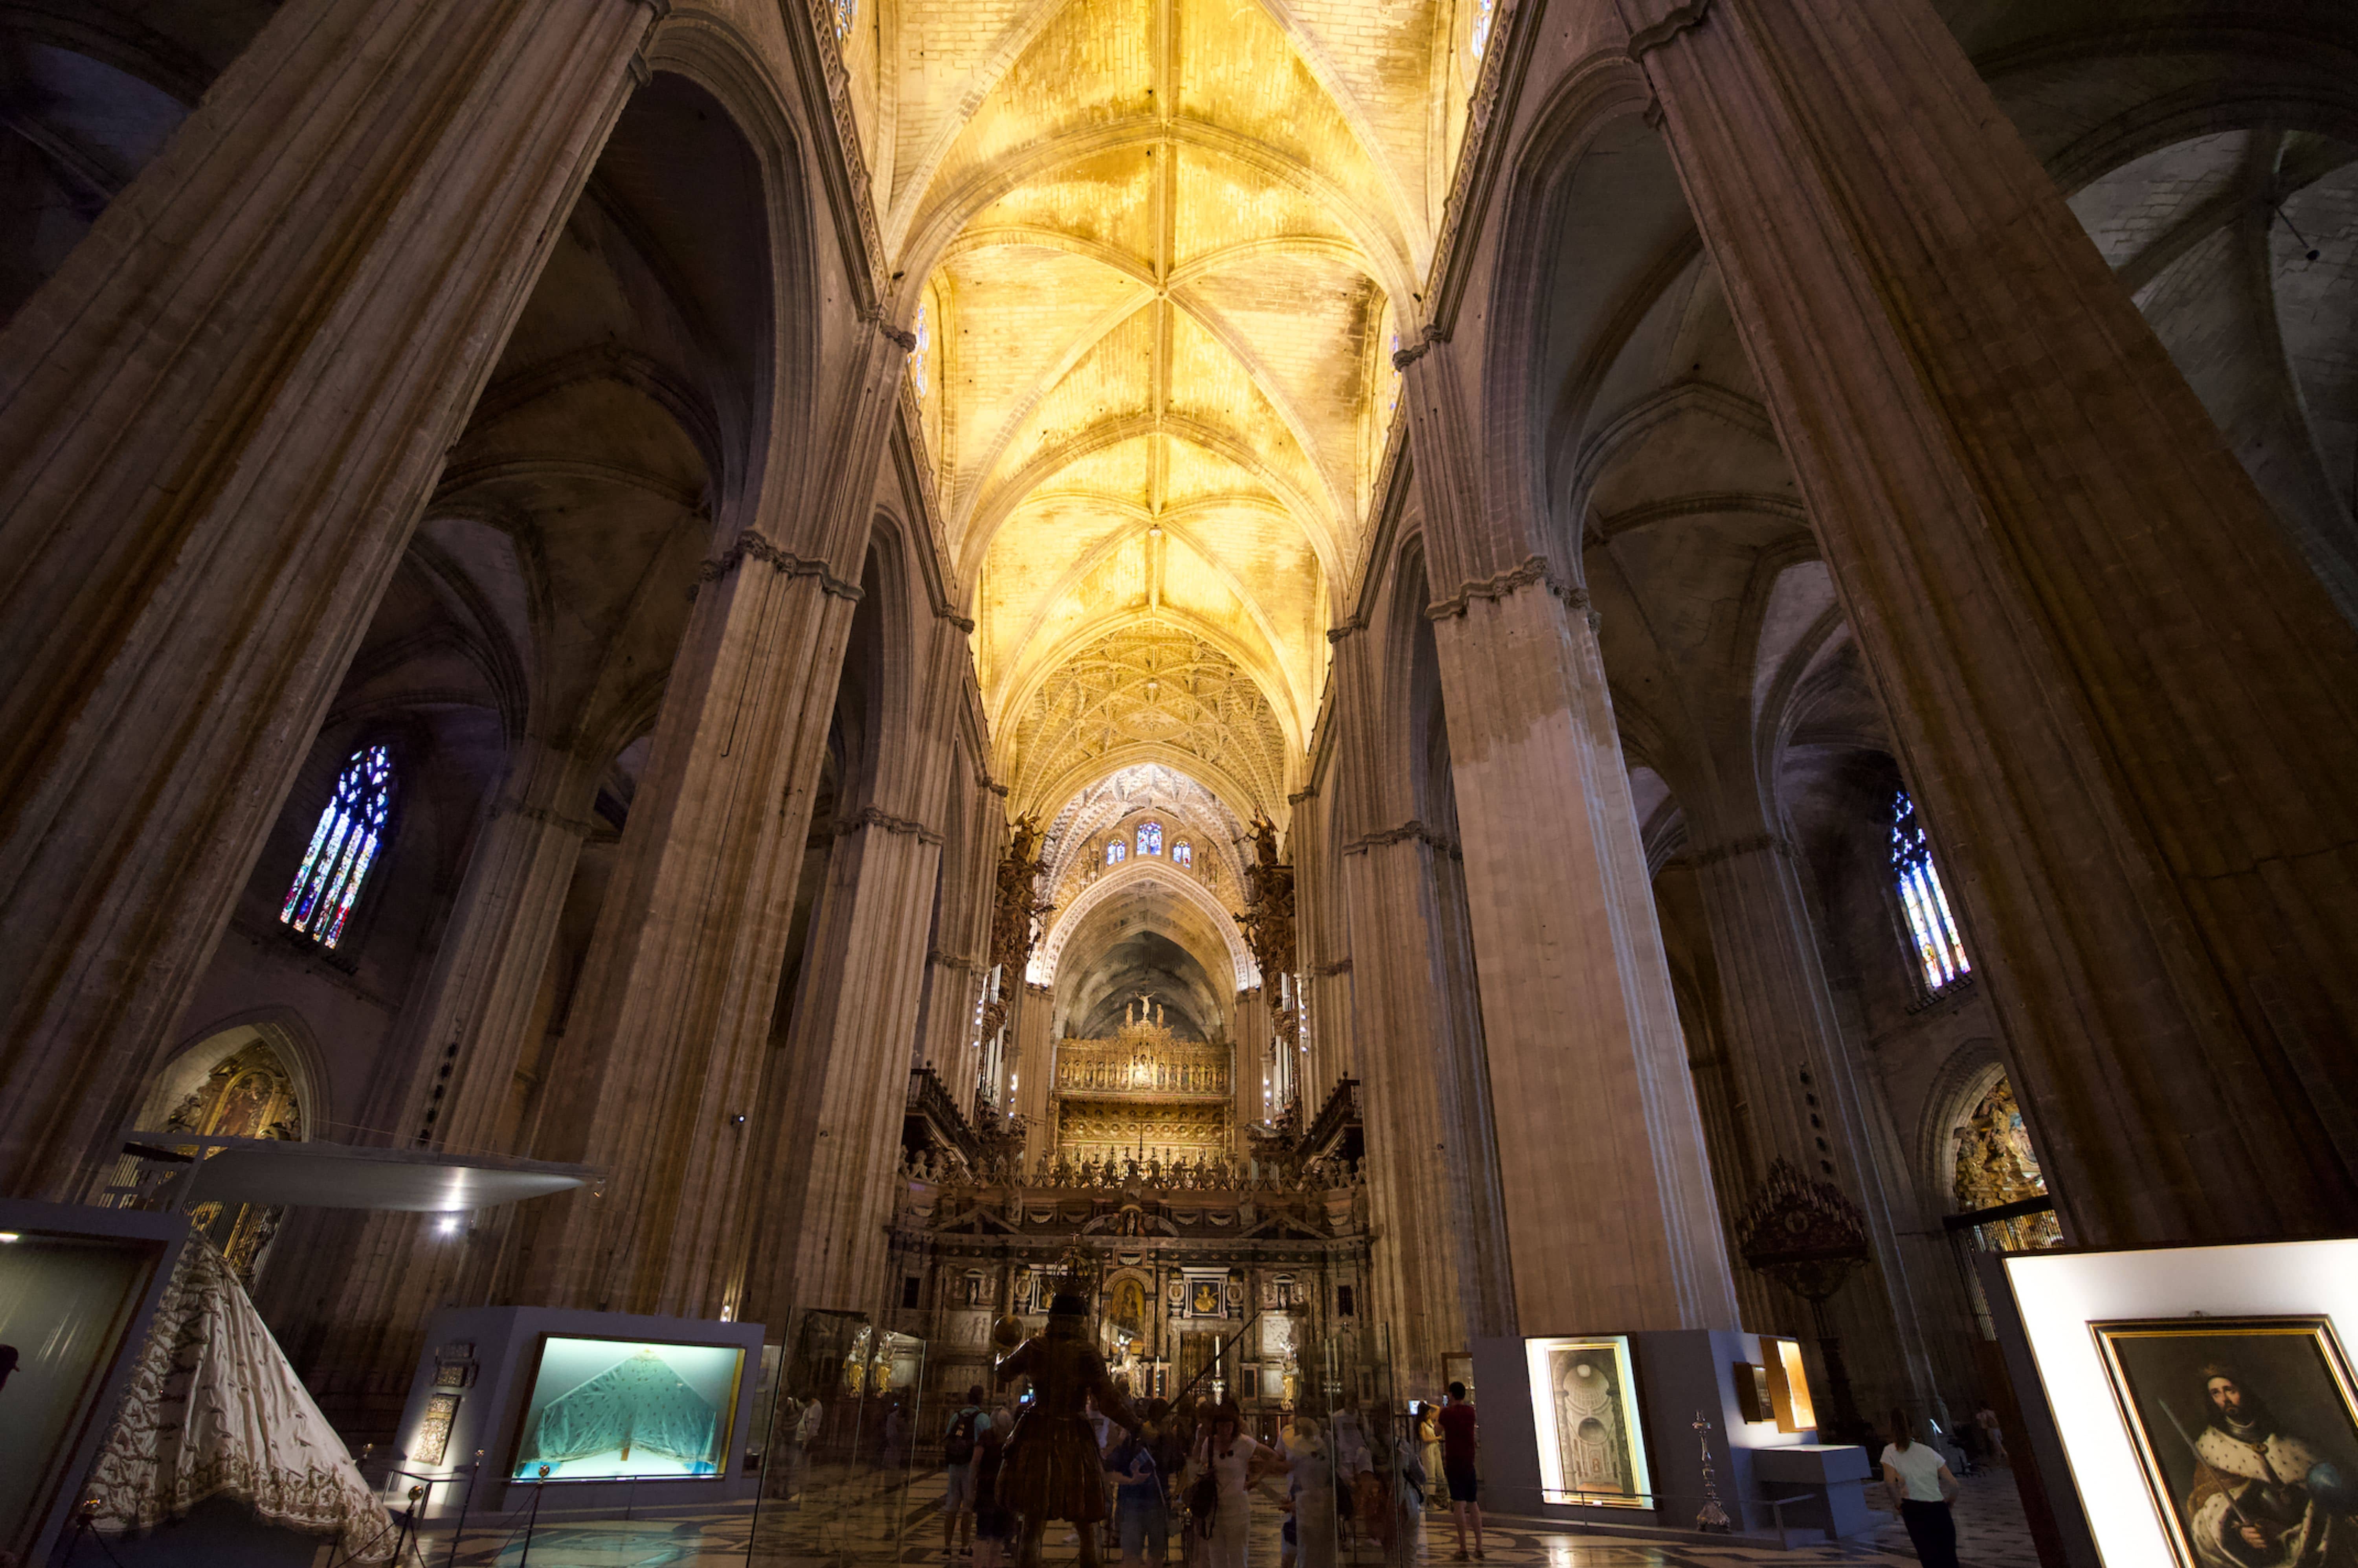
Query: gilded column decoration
column 1014, row 919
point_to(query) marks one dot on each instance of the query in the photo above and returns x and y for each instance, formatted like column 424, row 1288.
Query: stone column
column 832, row 1108
column 1438, row 1268
column 2128, row 708
column 217, row 424
column 1607, row 1198
column 820, row 1199
column 673, row 1013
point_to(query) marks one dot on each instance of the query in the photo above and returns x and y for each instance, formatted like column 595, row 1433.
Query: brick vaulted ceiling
column 1163, row 246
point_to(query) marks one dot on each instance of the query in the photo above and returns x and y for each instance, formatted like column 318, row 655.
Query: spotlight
column 9, row 1236
column 449, row 1224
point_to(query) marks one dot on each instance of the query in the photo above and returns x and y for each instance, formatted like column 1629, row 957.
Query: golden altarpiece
column 1215, row 1249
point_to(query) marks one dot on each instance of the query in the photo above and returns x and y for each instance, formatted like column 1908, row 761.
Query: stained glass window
column 1116, row 852
column 920, row 356
column 1481, row 39
column 845, row 10
column 1391, row 365
column 1182, row 853
column 1940, row 946
column 1149, row 839
column 344, row 849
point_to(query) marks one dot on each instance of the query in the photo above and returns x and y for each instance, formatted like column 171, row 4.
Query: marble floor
column 860, row 1523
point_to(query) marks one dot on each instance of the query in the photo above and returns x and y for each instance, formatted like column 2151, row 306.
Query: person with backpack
column 958, row 1444
column 1141, row 1511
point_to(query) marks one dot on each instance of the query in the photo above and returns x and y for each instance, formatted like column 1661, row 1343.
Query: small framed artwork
column 1752, row 1391
column 1585, row 1404
column 433, row 1439
column 2247, row 1430
column 454, row 1375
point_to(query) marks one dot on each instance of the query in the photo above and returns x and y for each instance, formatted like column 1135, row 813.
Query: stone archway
column 242, row 1082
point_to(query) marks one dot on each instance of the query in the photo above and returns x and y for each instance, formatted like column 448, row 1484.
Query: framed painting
column 2247, row 1431
column 1585, row 1404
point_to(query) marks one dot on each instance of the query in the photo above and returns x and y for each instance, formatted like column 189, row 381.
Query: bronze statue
column 1053, row 1469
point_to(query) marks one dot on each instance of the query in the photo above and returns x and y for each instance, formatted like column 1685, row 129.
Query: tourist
column 1922, row 1485
column 1993, row 1439
column 959, row 1442
column 1459, row 1443
column 994, row 1522
column 1232, row 1462
column 1141, row 1511
column 1428, row 1437
column 1313, row 1496
column 894, row 1456
column 1358, row 1495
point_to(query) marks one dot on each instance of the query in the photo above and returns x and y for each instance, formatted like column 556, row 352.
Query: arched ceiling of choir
column 1143, row 896
column 1162, row 248
column 1150, row 689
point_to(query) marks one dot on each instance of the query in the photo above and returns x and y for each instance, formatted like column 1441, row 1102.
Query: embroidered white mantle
column 214, row 1409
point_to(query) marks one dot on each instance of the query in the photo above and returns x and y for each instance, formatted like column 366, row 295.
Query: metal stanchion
column 533, row 1518
column 464, row 1504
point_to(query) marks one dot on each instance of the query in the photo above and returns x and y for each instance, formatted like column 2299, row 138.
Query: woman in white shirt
column 1920, row 1482
column 1238, row 1461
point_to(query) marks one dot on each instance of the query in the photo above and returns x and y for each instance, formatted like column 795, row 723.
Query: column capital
column 752, row 544
column 1535, row 569
column 1653, row 23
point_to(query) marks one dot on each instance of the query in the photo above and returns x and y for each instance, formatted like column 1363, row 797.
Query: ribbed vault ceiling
column 1165, row 245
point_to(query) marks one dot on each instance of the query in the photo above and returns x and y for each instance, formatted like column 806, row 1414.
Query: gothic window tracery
column 1482, row 18
column 1149, row 839
column 845, row 13
column 1939, row 944
column 1116, row 851
column 1182, row 853
column 344, row 849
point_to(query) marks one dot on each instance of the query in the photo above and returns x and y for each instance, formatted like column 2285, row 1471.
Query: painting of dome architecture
column 606, row 1410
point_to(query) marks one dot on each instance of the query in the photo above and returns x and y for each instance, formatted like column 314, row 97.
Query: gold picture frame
column 2182, row 1383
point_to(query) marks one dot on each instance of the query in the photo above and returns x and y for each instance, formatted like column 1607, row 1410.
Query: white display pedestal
column 1679, row 1374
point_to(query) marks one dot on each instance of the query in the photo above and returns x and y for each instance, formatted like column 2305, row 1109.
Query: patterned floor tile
column 900, row 1524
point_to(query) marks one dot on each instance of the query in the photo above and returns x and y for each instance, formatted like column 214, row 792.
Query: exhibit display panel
column 610, row 1410
column 76, row 1289
column 2201, row 1397
column 1585, row 1404
column 511, row 1402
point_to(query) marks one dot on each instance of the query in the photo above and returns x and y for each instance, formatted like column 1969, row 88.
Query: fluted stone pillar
column 2126, row 705
column 1439, row 1271
column 1439, row 1265
column 832, row 1108
column 218, row 423
column 674, row 1009
column 1606, row 1191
